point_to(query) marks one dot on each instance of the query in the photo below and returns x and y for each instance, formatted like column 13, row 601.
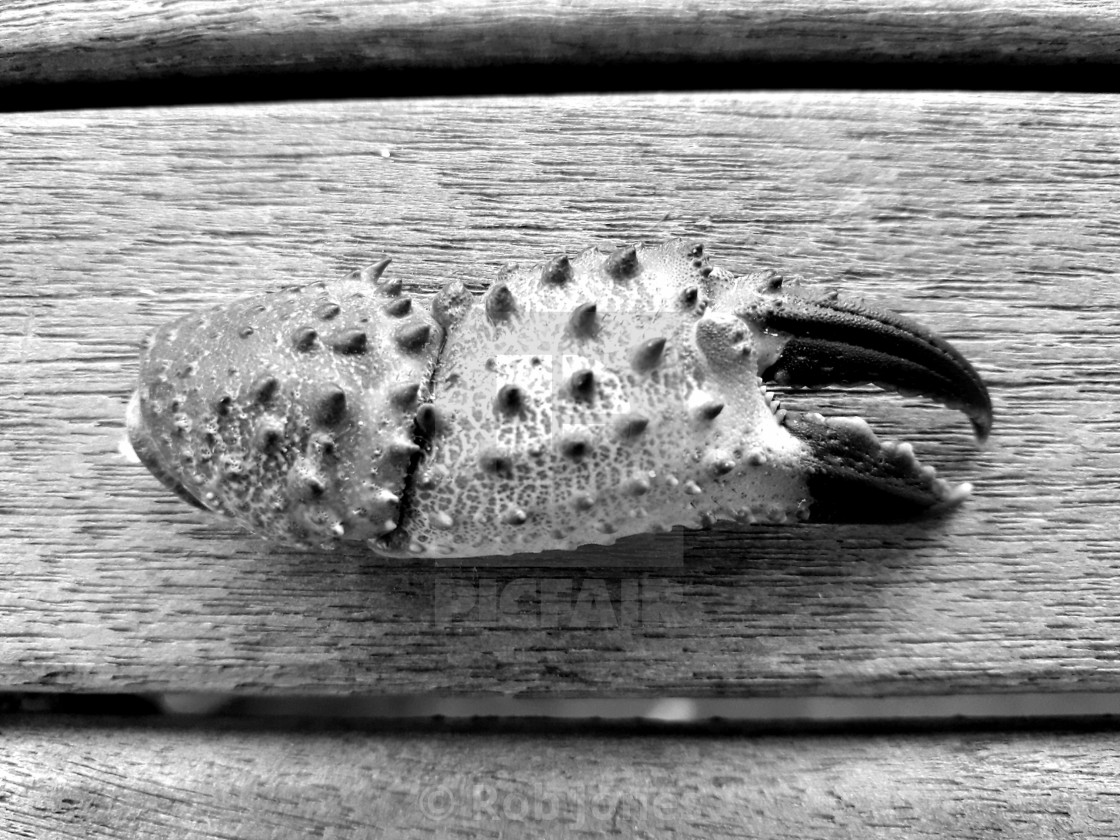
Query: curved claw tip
column 141, row 448
column 982, row 425
column 832, row 342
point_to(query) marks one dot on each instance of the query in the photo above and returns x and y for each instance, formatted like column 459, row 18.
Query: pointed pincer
column 827, row 341
column 853, row 477
column 806, row 339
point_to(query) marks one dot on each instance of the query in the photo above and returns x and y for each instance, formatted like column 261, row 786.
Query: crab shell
column 580, row 400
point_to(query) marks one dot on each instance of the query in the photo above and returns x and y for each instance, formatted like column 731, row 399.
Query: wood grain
column 990, row 218
column 62, row 779
column 109, row 40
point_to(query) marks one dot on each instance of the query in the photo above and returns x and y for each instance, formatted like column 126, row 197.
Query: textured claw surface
column 580, row 400
column 288, row 430
column 604, row 417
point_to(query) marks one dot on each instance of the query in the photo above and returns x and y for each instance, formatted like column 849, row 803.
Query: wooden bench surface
column 989, row 217
column 88, row 41
column 248, row 780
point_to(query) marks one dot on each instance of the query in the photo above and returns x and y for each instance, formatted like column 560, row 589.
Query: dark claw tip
column 831, row 342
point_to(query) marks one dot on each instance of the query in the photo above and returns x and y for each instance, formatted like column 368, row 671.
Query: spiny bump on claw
column 582, row 385
column 857, row 428
column 322, row 445
column 308, row 488
column 557, row 270
column 689, row 296
column 622, row 264
column 510, row 399
column 499, row 303
column 648, row 355
column 720, row 465
column 443, row 520
column 575, row 447
column 583, row 501
column 328, row 310
column 496, row 463
column 404, row 396
column 382, row 498
column 386, row 527
column 379, row 499
column 638, row 486
column 584, row 322
column 269, row 434
column 391, row 288
column 304, row 339
column 413, row 337
column 350, row 343
column 514, row 516
column 429, row 421
column 264, row 389
column 305, row 481
column 332, row 406
column 709, row 410
column 630, row 426
column 399, row 307
column 372, row 273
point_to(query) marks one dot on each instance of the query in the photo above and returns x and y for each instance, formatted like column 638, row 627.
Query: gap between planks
column 64, row 778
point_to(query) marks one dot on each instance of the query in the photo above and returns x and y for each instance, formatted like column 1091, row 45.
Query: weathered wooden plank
column 114, row 40
column 992, row 218
column 236, row 780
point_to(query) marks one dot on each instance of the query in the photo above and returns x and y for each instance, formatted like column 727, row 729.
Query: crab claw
column 819, row 339
column 583, row 399
column 852, row 476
